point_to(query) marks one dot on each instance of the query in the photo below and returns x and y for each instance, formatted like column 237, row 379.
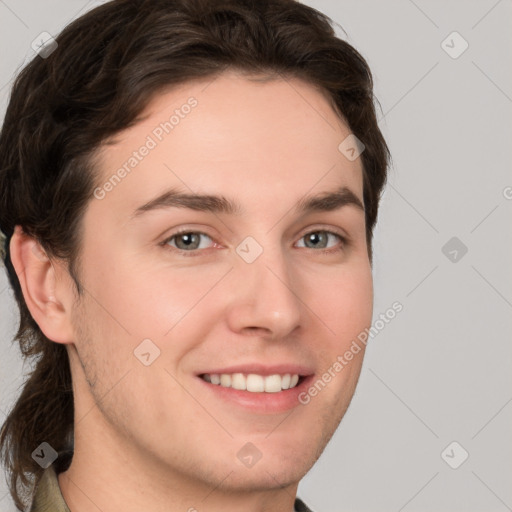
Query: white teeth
column 238, row 381
column 225, row 380
column 273, row 383
column 253, row 382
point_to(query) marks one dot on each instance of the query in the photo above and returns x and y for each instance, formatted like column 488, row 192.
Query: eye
column 320, row 240
column 190, row 242
column 187, row 240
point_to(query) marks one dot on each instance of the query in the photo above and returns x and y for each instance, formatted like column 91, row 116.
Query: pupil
column 316, row 237
column 188, row 239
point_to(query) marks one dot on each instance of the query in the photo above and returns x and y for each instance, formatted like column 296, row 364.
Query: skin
column 149, row 437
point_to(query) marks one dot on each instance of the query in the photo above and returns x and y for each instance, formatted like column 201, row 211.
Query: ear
column 45, row 285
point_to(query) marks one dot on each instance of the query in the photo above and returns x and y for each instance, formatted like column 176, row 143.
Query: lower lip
column 265, row 403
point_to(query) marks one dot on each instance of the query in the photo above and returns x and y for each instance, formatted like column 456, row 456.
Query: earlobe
column 48, row 298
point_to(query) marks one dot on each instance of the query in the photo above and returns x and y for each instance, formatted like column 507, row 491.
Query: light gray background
column 441, row 370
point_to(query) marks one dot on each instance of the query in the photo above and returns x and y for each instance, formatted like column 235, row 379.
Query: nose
column 265, row 300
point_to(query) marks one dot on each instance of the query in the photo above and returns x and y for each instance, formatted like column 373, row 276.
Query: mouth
column 257, row 389
column 254, row 383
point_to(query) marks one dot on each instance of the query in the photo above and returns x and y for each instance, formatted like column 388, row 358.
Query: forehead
column 264, row 140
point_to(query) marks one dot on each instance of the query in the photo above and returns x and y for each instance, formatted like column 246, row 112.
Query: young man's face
column 245, row 292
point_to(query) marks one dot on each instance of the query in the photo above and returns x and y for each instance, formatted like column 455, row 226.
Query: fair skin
column 159, row 437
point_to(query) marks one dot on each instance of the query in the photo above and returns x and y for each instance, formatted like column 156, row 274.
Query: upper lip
column 262, row 369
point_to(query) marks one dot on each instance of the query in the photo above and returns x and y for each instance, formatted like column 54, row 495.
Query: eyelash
column 196, row 252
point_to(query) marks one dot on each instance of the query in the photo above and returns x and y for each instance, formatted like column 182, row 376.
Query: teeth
column 238, row 381
column 225, row 380
column 253, row 382
column 273, row 383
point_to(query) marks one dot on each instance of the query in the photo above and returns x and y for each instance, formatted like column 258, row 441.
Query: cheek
column 345, row 303
column 150, row 302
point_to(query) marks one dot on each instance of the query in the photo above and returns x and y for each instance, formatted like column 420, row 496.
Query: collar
column 47, row 496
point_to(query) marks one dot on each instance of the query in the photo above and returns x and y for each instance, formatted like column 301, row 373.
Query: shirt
column 48, row 497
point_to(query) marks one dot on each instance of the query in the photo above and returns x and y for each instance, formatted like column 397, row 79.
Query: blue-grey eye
column 188, row 241
column 319, row 239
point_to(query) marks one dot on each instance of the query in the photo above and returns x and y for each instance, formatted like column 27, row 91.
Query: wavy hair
column 107, row 66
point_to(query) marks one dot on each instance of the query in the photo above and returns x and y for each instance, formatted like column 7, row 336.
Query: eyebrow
column 326, row 201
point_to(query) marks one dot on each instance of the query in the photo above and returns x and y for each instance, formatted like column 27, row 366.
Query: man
column 191, row 230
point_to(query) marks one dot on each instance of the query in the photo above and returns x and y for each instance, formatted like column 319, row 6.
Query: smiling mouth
column 254, row 383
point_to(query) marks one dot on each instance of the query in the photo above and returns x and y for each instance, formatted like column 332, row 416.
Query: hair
column 107, row 66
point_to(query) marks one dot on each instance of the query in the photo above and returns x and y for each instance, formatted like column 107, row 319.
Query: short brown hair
column 106, row 68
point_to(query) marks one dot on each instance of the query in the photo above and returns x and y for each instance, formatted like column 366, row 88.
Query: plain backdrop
column 436, row 385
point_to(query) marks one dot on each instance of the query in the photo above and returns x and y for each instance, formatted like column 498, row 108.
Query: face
column 259, row 283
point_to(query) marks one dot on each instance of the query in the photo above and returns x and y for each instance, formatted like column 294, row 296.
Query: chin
column 265, row 477
column 278, row 466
